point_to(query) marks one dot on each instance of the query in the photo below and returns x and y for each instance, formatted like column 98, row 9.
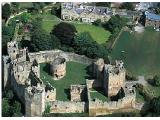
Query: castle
column 21, row 70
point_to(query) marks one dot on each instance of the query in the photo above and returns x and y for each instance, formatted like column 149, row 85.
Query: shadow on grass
column 67, row 92
column 151, row 82
column 100, row 90
column 46, row 68
column 89, row 72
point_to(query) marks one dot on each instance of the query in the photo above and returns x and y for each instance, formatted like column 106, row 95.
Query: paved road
column 12, row 16
column 138, row 106
column 140, row 80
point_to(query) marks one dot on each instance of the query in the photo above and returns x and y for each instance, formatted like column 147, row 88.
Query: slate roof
column 87, row 9
column 152, row 16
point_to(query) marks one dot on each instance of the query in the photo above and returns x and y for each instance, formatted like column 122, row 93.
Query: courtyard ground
column 75, row 74
column 139, row 51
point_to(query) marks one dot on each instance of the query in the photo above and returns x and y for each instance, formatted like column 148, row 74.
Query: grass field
column 141, row 54
column 24, row 5
column 99, row 34
column 75, row 74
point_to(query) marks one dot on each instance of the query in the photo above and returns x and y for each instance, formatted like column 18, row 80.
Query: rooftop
column 87, row 9
column 152, row 16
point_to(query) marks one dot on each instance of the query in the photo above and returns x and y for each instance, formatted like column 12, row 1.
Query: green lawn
column 76, row 73
column 24, row 5
column 99, row 34
column 98, row 94
column 141, row 52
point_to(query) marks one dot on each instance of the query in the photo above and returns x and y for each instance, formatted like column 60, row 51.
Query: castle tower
column 114, row 78
column 98, row 69
column 12, row 48
column 77, row 92
column 36, row 68
column 34, row 100
column 58, row 68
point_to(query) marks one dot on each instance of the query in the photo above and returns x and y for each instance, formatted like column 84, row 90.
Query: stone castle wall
column 99, row 107
column 48, row 56
column 34, row 101
column 115, row 83
column 67, row 107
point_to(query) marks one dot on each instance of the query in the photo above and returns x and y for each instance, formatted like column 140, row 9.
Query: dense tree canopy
column 65, row 32
column 56, row 10
column 97, row 22
column 10, row 104
column 38, row 5
column 7, row 34
column 115, row 23
column 103, row 4
column 5, row 107
column 127, row 5
column 15, row 7
column 25, row 17
column 156, row 81
column 6, row 11
column 84, row 44
column 41, row 40
column 152, row 108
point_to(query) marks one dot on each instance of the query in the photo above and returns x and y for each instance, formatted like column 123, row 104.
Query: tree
column 7, row 34
column 157, row 10
column 6, row 11
column 115, row 23
column 25, row 17
column 15, row 6
column 56, row 10
column 84, row 44
column 127, row 5
column 156, row 80
column 37, row 6
column 97, row 22
column 82, row 41
column 5, row 39
column 6, row 107
column 154, row 106
column 16, row 107
column 103, row 4
column 65, row 32
column 41, row 40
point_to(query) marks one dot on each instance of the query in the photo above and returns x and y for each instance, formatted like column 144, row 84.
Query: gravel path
column 141, row 80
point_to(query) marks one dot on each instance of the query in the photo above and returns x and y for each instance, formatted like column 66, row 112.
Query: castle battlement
column 25, row 79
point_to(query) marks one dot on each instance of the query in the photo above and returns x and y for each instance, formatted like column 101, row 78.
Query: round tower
column 58, row 68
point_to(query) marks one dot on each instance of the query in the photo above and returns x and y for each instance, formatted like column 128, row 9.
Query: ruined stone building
column 21, row 70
